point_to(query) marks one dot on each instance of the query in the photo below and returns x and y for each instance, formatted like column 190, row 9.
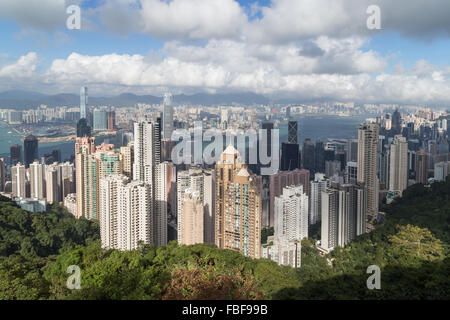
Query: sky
column 301, row 49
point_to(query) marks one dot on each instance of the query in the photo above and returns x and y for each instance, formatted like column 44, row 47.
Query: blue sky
column 225, row 45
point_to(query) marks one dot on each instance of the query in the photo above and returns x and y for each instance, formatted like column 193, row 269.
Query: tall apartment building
column 283, row 179
column 319, row 185
column 18, row 181
column 146, row 150
column 291, row 214
column 37, row 181
column 422, row 159
column 201, row 181
column 441, row 170
column 125, row 219
column 367, row 165
column 127, row 159
column 344, row 209
column 51, row 182
column 398, row 165
column 84, row 148
column 191, row 226
column 237, row 206
column 2, row 174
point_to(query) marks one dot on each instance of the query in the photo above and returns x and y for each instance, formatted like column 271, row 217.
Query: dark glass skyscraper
column 290, row 156
column 30, row 150
column 83, row 129
column 15, row 154
column 308, row 155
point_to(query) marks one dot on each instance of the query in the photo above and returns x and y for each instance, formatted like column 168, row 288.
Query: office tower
column 351, row 172
column 396, row 126
column 291, row 214
column 2, row 174
column 344, row 209
column 127, row 159
column 319, row 185
column 280, row 180
column 319, row 157
column 367, row 165
column 84, row 103
column 146, row 150
column 37, row 181
column 30, row 150
column 191, row 226
column 352, row 150
column 422, row 159
column 51, row 181
column 18, row 181
column 202, row 182
column 84, row 148
column 100, row 120
column 237, row 206
column 293, row 132
column 398, row 169
column 125, row 219
column 308, row 155
column 83, row 128
column 167, row 128
column 111, row 120
column 15, row 154
column 290, row 157
column 441, row 170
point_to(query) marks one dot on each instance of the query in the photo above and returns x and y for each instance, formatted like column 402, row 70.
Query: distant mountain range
column 18, row 99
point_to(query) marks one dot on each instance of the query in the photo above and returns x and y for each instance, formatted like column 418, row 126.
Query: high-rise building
column 84, row 103
column 398, row 167
column 100, row 120
column 441, row 170
column 147, row 150
column 237, row 206
column 396, row 126
column 84, row 148
column 51, row 181
column 18, row 181
column 111, row 120
column 37, row 181
column 2, row 174
column 127, row 159
column 30, row 150
column 202, row 182
column 167, row 128
column 293, row 132
column 319, row 157
column 15, row 154
column 308, row 155
column 290, row 156
column 191, row 226
column 344, row 209
column 284, row 252
column 280, row 180
column 319, row 185
column 125, row 219
column 291, row 214
column 83, row 128
column 367, row 165
column 422, row 160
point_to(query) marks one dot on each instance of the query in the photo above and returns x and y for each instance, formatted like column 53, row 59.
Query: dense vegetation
column 411, row 248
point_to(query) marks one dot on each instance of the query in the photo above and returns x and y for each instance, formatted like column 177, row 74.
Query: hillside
column 411, row 249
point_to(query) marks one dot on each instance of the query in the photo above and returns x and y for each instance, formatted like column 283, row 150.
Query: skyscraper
column 398, row 167
column 202, row 182
column 18, row 181
column 308, row 155
column 367, row 165
column 146, row 150
column 30, row 149
column 396, row 126
column 191, row 226
column 422, row 159
column 167, row 116
column 238, row 206
column 83, row 128
column 51, row 183
column 319, row 185
column 125, row 219
column 2, row 174
column 290, row 151
column 84, row 148
column 84, row 103
column 344, row 209
column 292, row 132
column 15, row 154
column 291, row 214
column 37, row 180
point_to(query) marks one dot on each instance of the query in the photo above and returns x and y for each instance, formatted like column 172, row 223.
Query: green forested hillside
column 411, row 247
